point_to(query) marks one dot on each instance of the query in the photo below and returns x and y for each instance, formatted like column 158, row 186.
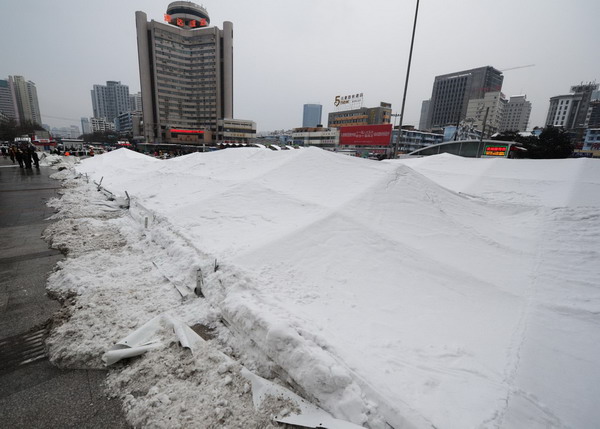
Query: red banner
column 186, row 131
column 366, row 135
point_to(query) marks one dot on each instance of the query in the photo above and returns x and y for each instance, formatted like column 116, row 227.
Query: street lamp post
column 412, row 42
column 392, row 143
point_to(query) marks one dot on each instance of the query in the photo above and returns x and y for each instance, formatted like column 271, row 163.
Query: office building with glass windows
column 452, row 92
column 186, row 75
column 312, row 115
column 8, row 100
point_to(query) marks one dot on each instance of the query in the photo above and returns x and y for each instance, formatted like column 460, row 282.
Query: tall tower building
column 85, row 126
column 8, row 101
column 424, row 114
column 26, row 99
column 516, row 114
column 135, row 102
column 186, row 74
column 110, row 100
column 452, row 92
column 312, row 115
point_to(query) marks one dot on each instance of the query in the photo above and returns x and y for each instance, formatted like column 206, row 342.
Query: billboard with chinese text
column 366, row 135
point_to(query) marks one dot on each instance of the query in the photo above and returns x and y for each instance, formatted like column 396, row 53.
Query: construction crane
column 519, row 67
column 60, row 117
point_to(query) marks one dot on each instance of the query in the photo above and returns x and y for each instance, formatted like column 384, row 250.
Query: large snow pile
column 440, row 291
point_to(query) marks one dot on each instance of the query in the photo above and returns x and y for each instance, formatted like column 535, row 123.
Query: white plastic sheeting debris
column 147, row 338
column 310, row 416
column 183, row 290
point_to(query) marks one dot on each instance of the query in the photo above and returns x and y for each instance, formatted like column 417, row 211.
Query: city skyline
column 311, row 51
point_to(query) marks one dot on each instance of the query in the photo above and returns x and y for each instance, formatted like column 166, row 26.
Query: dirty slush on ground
column 168, row 386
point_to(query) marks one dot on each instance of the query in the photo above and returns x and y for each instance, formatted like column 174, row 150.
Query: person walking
column 11, row 153
column 19, row 157
column 26, row 156
column 34, row 156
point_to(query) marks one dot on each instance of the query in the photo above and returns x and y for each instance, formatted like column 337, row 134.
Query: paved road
column 33, row 392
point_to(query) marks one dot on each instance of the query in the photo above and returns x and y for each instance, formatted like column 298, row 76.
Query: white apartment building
column 572, row 111
column 135, row 102
column 101, row 125
column 562, row 107
column 110, row 100
column 490, row 109
column 516, row 114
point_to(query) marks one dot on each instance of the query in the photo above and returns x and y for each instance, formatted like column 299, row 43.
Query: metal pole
column 483, row 127
column 457, row 126
column 412, row 42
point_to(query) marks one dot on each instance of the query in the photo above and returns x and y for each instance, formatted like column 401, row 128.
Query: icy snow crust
column 440, row 291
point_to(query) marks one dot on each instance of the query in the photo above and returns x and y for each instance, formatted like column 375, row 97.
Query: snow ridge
column 430, row 292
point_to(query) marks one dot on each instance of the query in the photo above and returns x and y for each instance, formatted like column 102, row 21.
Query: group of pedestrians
column 24, row 154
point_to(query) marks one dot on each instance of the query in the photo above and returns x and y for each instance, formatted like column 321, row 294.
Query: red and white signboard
column 366, row 135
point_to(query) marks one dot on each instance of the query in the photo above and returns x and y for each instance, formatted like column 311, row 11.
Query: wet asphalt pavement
column 33, row 392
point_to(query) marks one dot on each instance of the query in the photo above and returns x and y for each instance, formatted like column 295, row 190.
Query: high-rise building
column 451, row 94
column 312, row 115
column 516, row 114
column 486, row 113
column 85, row 126
column 571, row 111
column 186, row 74
column 135, row 102
column 110, row 100
column 8, row 101
column 424, row 114
column 25, row 92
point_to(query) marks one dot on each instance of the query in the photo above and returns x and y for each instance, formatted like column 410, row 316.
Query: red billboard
column 366, row 135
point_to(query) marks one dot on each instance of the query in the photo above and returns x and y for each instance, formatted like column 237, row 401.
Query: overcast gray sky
column 291, row 52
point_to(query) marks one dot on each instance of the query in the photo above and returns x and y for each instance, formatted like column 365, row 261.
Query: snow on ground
column 439, row 291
